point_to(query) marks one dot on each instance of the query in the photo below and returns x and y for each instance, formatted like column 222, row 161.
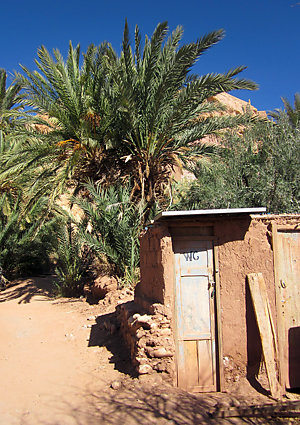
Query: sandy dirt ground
column 58, row 364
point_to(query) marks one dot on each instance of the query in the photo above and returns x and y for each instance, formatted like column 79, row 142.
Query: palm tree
column 165, row 110
column 135, row 116
column 111, row 228
column 9, row 101
column 67, row 129
column 293, row 112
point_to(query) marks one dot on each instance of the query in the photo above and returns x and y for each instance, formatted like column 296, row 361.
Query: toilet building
column 194, row 267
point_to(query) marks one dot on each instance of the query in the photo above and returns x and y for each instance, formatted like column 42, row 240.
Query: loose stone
column 161, row 352
column 116, row 385
column 143, row 369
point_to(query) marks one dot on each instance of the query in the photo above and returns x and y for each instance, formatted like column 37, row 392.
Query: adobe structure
column 192, row 319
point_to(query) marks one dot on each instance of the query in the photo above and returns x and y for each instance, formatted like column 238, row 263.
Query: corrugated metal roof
column 195, row 213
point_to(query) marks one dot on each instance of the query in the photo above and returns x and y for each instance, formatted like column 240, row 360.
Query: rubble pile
column 149, row 339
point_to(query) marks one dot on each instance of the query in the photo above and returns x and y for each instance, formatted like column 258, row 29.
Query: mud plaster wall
column 243, row 248
column 157, row 269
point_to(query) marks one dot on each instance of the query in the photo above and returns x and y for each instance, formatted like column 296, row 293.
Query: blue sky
column 261, row 34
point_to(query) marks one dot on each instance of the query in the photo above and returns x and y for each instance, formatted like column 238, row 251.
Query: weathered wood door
column 195, row 314
column 287, row 273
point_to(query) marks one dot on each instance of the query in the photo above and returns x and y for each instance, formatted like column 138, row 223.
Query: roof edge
column 207, row 212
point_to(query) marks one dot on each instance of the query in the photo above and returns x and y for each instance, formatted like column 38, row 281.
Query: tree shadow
column 106, row 333
column 154, row 405
column 26, row 289
column 136, row 404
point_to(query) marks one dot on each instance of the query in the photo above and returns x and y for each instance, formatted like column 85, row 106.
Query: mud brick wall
column 149, row 339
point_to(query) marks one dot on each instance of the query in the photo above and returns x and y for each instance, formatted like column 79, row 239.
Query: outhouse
column 194, row 264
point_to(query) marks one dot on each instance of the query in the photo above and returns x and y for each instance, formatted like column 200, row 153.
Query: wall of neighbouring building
column 243, row 248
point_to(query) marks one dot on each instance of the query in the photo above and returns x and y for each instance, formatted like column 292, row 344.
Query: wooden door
column 287, row 274
column 195, row 314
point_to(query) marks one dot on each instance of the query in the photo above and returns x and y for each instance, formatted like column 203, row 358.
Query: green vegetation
column 164, row 108
column 292, row 113
column 25, row 244
column 115, row 118
column 73, row 261
column 111, row 227
column 108, row 131
column 10, row 99
column 258, row 168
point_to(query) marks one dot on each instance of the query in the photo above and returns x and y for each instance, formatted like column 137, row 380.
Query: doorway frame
column 217, row 311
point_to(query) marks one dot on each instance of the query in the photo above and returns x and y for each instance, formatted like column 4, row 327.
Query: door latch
column 282, row 283
column 211, row 284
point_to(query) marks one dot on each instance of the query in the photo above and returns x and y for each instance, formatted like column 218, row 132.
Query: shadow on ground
column 105, row 333
column 257, row 386
column 136, row 404
column 28, row 288
column 140, row 405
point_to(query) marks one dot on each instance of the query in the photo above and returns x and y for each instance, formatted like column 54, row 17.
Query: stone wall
column 149, row 339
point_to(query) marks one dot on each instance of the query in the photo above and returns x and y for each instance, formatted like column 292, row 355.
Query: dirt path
column 57, row 363
column 47, row 361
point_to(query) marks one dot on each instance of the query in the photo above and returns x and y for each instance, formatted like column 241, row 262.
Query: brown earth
column 60, row 358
